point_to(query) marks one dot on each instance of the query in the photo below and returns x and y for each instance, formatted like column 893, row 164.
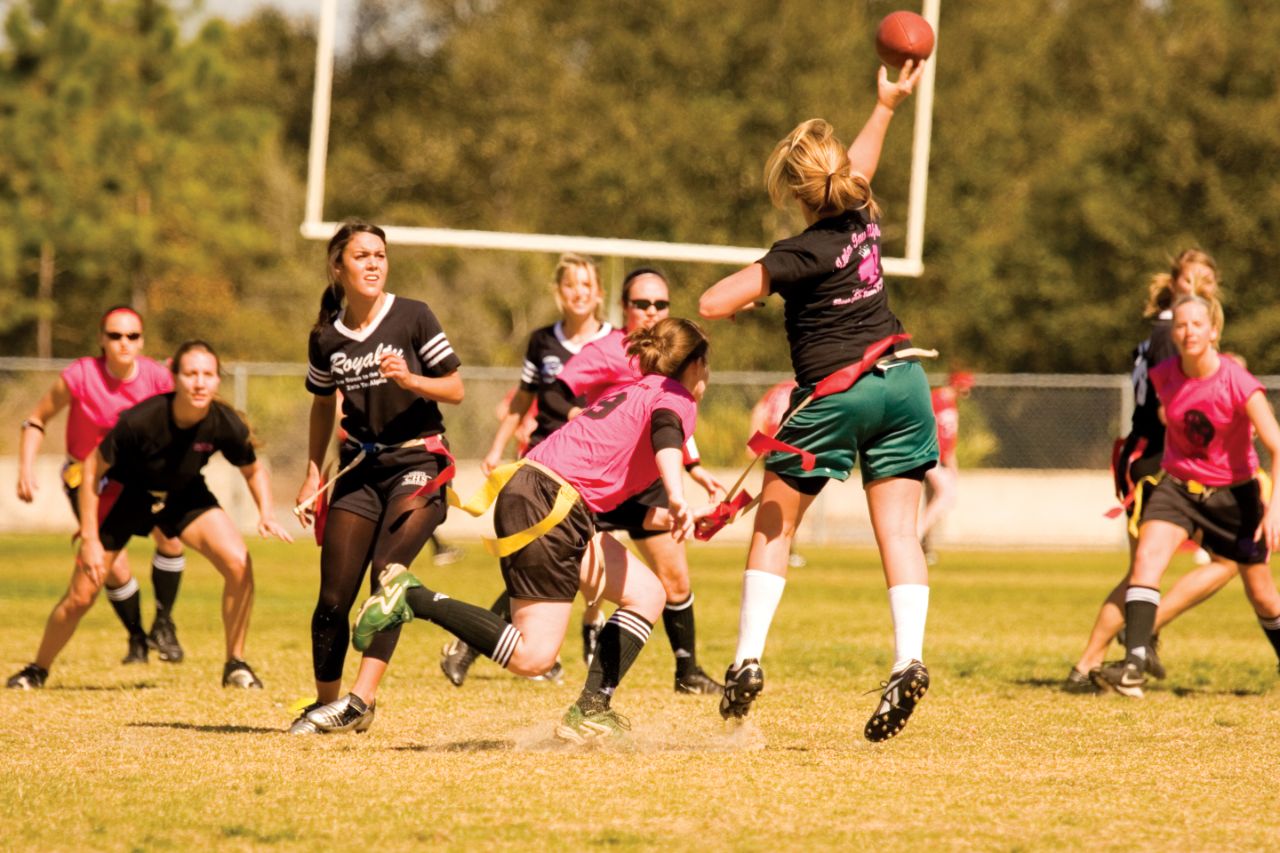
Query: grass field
column 160, row 757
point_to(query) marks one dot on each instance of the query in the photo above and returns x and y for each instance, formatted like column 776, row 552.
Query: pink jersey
column 606, row 453
column 599, row 366
column 98, row 398
column 1208, row 437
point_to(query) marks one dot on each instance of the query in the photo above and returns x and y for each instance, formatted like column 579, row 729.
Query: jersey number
column 604, row 406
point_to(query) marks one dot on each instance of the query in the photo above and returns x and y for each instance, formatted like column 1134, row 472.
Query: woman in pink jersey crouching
column 95, row 390
column 1211, row 407
column 547, row 540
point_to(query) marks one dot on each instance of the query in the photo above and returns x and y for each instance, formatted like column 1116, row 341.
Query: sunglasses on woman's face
column 115, row 336
column 646, row 304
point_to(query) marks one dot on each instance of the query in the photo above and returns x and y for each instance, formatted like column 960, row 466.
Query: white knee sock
column 761, row 592
column 909, row 604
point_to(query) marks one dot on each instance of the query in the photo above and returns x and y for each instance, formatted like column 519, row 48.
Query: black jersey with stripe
column 375, row 409
column 548, row 352
column 1146, row 407
column 830, row 278
column 148, row 450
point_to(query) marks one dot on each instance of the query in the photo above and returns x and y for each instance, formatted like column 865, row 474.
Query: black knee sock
column 621, row 640
column 482, row 630
column 502, row 605
column 329, row 636
column 166, row 577
column 678, row 621
column 1140, row 604
column 1271, row 627
column 127, row 603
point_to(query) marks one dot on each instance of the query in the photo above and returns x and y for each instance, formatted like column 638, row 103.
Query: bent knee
column 530, row 660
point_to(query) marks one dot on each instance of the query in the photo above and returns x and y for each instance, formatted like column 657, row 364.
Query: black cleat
column 1124, row 677
column 1079, row 682
column 455, row 661
column 137, row 650
column 555, row 675
column 237, row 673
column 164, row 639
column 898, row 698
column 742, row 683
column 32, row 677
column 698, row 682
column 1154, row 667
column 447, row 555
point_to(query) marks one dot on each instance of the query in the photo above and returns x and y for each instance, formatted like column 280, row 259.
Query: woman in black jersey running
column 837, row 317
column 1193, row 272
column 149, row 470
column 393, row 364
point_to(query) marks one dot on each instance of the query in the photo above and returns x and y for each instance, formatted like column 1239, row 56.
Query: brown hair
column 194, row 345
column 669, row 347
column 1160, row 288
column 812, row 165
column 630, row 279
column 116, row 309
column 331, row 299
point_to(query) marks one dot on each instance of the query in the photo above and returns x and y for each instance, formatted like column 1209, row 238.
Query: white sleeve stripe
column 433, row 349
column 320, row 378
column 431, row 343
column 441, row 357
column 529, row 373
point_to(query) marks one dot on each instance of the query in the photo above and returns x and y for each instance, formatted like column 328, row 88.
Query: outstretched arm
column 864, row 153
column 57, row 399
column 734, row 293
column 255, row 474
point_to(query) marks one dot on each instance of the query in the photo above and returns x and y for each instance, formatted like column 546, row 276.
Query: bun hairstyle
column 812, row 165
column 1211, row 305
column 331, row 300
column 669, row 347
column 570, row 261
column 1160, row 289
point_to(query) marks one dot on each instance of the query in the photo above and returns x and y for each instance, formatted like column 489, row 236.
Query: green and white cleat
column 386, row 608
column 583, row 727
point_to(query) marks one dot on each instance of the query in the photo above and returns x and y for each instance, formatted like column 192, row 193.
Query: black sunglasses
column 646, row 304
column 115, row 336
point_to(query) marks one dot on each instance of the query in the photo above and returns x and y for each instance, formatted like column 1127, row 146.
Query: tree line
column 149, row 158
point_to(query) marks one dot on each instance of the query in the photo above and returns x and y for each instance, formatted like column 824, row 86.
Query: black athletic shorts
column 371, row 486
column 128, row 511
column 1145, row 466
column 1228, row 517
column 547, row 569
column 629, row 515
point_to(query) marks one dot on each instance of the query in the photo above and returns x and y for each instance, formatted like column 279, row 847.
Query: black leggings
column 351, row 543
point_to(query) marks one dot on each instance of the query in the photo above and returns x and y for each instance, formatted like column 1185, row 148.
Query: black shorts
column 547, row 569
column 128, row 511
column 371, row 486
column 629, row 515
column 1146, row 466
column 1227, row 517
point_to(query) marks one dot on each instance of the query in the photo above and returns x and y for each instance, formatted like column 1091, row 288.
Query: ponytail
column 331, row 299
column 669, row 347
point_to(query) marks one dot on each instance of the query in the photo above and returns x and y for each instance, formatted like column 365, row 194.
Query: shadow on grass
column 102, row 688
column 1180, row 692
column 216, row 730
column 476, row 745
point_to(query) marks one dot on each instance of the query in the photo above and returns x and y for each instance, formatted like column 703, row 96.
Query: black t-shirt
column 375, row 409
column 830, row 278
column 1146, row 407
column 147, row 449
column 548, row 352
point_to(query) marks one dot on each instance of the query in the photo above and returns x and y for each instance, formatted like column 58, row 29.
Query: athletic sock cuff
column 633, row 623
column 681, row 605
column 1142, row 593
column 1270, row 624
column 506, row 645
column 123, row 593
column 169, row 564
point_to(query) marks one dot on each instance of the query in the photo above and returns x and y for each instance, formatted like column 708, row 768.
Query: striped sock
column 621, row 640
column 481, row 629
column 1140, row 604
column 166, row 577
column 126, row 601
column 678, row 621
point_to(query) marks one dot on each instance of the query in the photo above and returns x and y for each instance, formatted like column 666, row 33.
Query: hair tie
column 826, row 194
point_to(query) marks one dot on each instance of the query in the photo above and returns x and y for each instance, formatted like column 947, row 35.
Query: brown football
column 902, row 36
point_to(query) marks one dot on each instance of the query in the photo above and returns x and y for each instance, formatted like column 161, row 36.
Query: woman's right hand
column 27, row 486
column 309, row 487
column 890, row 93
column 490, row 462
column 91, row 560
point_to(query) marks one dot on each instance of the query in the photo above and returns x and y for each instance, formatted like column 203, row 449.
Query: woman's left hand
column 681, row 518
column 268, row 527
column 715, row 489
column 1269, row 530
column 394, row 367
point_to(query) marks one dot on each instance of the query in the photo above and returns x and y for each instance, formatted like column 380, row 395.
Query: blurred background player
column 1210, row 487
column 1136, row 464
column 394, row 365
column 549, row 547
column 766, row 416
column 150, row 466
column 579, row 296
column 97, row 389
column 837, row 309
column 942, row 483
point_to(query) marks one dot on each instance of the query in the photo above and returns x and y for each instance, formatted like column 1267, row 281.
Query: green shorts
column 884, row 422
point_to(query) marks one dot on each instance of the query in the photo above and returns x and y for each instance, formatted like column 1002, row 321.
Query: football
column 902, row 36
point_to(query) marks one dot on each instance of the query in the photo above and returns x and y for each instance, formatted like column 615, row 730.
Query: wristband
column 28, row 423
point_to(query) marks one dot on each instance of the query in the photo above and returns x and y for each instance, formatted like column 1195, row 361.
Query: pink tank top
column 1208, row 435
column 605, row 453
column 98, row 398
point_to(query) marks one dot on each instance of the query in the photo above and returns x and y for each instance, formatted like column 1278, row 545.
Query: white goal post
column 314, row 226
